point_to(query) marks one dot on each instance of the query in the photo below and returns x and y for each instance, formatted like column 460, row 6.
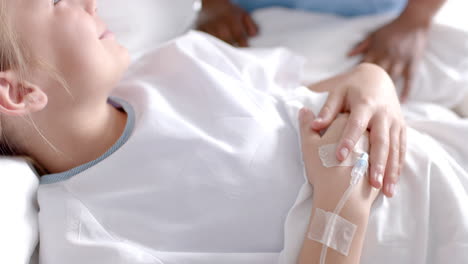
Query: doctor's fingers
column 408, row 75
column 306, row 116
column 239, row 34
column 378, row 57
column 396, row 68
column 384, row 64
column 224, row 33
column 360, row 48
column 250, row 25
column 369, row 57
column 221, row 30
column 217, row 29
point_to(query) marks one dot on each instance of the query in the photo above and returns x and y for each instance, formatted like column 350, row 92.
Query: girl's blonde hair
column 12, row 57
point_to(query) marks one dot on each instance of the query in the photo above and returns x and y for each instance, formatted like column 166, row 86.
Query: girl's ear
column 19, row 98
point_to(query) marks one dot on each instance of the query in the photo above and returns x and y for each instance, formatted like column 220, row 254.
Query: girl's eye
column 56, row 1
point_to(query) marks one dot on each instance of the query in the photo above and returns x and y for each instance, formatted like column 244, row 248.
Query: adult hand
column 329, row 183
column 227, row 21
column 369, row 95
column 396, row 47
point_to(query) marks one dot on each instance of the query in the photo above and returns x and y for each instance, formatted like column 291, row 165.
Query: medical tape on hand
column 327, row 154
column 340, row 231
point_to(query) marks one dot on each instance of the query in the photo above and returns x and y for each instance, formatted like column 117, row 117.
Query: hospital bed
column 142, row 25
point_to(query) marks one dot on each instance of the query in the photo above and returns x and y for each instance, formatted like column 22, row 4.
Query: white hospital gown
column 209, row 171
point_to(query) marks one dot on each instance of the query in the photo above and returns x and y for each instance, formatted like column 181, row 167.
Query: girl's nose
column 90, row 6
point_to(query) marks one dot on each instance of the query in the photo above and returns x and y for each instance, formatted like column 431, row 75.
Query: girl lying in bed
column 194, row 156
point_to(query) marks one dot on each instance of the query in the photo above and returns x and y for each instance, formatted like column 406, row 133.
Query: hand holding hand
column 330, row 183
column 368, row 94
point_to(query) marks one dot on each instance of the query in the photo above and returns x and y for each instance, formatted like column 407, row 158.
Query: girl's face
column 69, row 36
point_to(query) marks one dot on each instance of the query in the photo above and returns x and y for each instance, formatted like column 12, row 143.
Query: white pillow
column 142, row 25
column 18, row 203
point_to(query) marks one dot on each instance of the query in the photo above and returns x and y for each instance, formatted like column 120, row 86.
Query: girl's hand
column 368, row 94
column 227, row 22
column 330, row 185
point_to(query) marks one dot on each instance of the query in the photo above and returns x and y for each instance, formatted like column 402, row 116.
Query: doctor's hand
column 368, row 94
column 227, row 22
column 396, row 47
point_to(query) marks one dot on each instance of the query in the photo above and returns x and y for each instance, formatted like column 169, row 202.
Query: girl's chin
column 127, row 58
column 123, row 61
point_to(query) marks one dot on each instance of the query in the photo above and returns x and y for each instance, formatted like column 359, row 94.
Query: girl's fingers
column 306, row 117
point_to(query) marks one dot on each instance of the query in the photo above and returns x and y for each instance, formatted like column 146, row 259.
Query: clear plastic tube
column 360, row 168
column 357, row 173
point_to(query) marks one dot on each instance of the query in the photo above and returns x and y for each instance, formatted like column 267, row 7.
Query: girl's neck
column 76, row 143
